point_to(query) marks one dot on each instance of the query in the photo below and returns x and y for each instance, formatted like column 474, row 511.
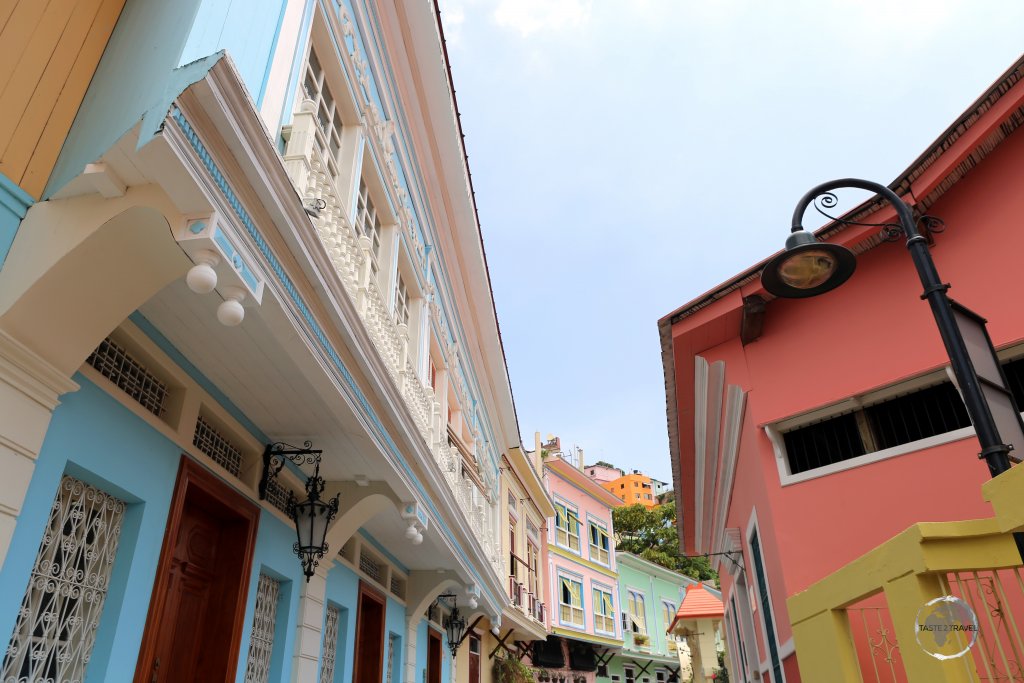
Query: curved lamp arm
column 903, row 210
column 993, row 449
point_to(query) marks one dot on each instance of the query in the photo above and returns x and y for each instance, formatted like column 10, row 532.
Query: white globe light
column 418, row 539
column 411, row 532
column 472, row 602
column 201, row 278
column 230, row 313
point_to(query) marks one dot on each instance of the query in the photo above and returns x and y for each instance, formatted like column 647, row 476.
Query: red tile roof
column 698, row 604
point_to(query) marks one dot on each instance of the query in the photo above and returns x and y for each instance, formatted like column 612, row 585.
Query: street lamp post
column 808, row 267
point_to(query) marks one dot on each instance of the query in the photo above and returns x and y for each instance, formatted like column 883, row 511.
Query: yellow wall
column 48, row 54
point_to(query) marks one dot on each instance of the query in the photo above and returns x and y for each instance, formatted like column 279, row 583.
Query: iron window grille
column 398, row 587
column 129, row 375
column 910, row 417
column 277, row 496
column 60, row 613
column 211, row 442
column 330, row 645
column 370, row 566
column 261, row 641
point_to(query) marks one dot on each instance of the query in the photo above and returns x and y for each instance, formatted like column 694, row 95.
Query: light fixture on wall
column 808, row 268
column 454, row 624
column 202, row 278
column 311, row 515
column 414, row 534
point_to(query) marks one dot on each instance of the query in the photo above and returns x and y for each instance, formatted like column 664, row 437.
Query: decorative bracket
column 274, row 456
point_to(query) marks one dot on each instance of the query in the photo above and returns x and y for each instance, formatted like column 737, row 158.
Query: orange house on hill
column 633, row 489
column 806, row 432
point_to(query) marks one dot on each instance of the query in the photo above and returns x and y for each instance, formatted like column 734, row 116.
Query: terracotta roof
column 698, row 604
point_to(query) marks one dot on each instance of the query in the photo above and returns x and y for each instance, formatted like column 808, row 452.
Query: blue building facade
column 255, row 226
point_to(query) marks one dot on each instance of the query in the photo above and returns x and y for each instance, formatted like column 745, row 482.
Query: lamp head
column 807, row 267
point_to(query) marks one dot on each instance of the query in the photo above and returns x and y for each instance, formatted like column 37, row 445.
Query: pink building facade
column 583, row 602
column 805, row 432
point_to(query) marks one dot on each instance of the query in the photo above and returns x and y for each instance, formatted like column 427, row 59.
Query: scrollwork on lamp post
column 808, row 267
column 311, row 516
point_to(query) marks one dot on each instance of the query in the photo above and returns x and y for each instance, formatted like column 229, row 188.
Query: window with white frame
column 570, row 601
column 764, row 605
column 604, row 611
column 905, row 413
column 402, row 301
column 599, row 544
column 637, row 613
column 60, row 613
column 668, row 613
column 533, row 567
column 567, row 527
column 367, row 224
column 732, row 617
column 630, row 674
column 328, row 118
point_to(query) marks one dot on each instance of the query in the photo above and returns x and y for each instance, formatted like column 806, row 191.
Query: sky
column 629, row 156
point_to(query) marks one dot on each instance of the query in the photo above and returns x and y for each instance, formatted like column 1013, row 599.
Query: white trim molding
column 752, row 528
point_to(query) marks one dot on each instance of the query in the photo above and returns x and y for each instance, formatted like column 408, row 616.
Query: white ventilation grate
column 261, row 642
column 117, row 365
column 56, row 626
column 221, row 451
column 330, row 645
column 398, row 587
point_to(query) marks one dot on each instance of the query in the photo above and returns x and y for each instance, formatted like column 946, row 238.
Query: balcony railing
column 516, row 591
column 861, row 622
column 535, row 608
column 350, row 256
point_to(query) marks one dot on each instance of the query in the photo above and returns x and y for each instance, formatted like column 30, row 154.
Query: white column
column 29, row 392
column 309, row 631
column 411, row 634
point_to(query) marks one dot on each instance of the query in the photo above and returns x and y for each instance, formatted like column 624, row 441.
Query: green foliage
column 721, row 674
column 603, row 463
column 510, row 670
column 652, row 535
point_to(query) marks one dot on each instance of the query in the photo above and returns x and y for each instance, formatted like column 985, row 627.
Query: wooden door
column 433, row 656
column 474, row 658
column 369, row 660
column 197, row 608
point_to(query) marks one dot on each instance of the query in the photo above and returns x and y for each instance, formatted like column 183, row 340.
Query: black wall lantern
column 454, row 624
column 312, row 515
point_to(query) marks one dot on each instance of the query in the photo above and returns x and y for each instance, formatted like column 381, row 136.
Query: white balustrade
column 349, row 254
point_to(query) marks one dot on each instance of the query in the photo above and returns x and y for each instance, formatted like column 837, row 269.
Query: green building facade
column 649, row 596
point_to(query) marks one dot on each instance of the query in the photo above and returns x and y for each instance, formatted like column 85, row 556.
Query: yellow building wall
column 48, row 55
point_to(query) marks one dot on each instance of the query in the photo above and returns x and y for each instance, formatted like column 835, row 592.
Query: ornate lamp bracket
column 275, row 454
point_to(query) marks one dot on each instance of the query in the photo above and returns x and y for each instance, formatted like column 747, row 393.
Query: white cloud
column 531, row 16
